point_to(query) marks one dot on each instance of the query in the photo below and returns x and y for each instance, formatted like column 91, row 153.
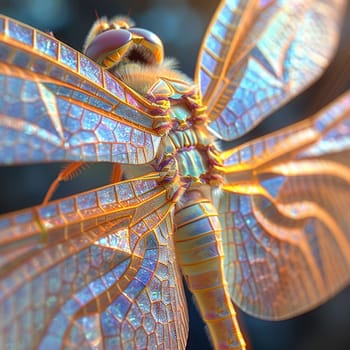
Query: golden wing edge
column 328, row 260
column 4, row 37
column 231, row 117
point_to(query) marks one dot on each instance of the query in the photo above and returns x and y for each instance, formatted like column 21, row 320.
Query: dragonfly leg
column 116, row 173
column 65, row 174
column 200, row 254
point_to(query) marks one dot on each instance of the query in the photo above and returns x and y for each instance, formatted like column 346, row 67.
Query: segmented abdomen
column 200, row 254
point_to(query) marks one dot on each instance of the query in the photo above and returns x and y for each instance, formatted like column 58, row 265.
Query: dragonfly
column 263, row 224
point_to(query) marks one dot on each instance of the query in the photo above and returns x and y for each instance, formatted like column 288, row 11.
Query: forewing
column 58, row 105
column 95, row 270
column 285, row 213
column 257, row 55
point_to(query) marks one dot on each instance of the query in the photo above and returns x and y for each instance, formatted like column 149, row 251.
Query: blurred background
column 181, row 25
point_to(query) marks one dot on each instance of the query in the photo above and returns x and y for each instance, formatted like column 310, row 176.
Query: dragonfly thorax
column 188, row 141
column 190, row 149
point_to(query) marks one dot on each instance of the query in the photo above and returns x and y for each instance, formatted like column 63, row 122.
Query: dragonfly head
column 116, row 41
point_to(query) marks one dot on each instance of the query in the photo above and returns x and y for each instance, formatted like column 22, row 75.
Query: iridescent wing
column 257, row 55
column 285, row 213
column 58, row 105
column 93, row 270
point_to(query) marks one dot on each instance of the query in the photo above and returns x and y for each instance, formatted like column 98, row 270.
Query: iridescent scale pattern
column 284, row 215
column 81, row 112
column 282, row 53
column 265, row 223
column 114, row 286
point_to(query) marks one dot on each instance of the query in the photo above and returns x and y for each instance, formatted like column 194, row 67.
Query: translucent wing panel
column 94, row 270
column 37, row 125
column 286, row 216
column 258, row 55
column 56, row 104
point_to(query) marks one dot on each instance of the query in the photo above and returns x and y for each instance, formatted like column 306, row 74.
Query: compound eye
column 107, row 48
column 150, row 41
column 148, row 35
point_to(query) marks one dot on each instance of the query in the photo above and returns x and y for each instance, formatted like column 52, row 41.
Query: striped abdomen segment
column 200, row 254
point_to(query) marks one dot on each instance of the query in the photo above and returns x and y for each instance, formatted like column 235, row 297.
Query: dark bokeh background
column 180, row 24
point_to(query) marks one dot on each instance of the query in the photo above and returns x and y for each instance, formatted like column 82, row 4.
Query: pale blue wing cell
column 57, row 105
column 256, row 56
column 95, row 269
column 285, row 215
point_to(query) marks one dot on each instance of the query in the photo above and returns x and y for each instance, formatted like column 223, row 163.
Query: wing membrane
column 57, row 105
column 257, row 55
column 285, row 215
column 96, row 269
